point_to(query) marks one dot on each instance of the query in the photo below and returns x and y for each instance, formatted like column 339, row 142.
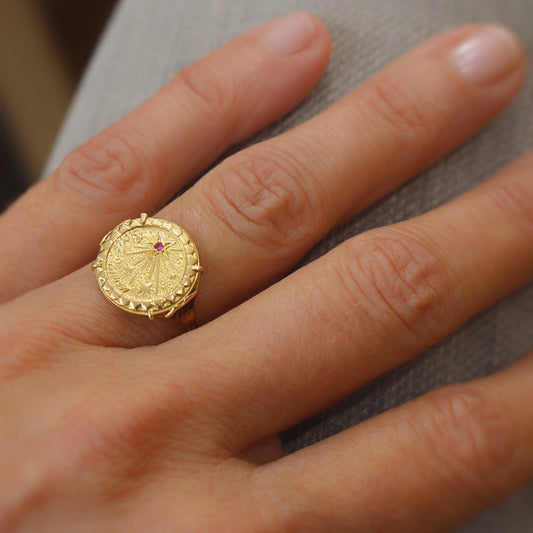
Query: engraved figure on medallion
column 146, row 263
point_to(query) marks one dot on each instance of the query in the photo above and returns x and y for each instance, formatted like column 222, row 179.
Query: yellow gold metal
column 150, row 266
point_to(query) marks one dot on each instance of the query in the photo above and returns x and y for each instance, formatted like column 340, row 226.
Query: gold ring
column 150, row 267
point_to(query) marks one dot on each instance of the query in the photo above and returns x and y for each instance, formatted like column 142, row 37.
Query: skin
column 112, row 423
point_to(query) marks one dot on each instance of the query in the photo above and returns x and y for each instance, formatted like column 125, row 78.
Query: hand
column 111, row 423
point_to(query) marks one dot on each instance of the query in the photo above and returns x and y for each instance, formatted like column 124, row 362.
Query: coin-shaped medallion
column 148, row 266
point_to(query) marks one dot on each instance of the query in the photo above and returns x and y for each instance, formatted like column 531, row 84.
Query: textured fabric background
column 148, row 41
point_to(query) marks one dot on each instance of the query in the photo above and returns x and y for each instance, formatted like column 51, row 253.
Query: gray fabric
column 147, row 42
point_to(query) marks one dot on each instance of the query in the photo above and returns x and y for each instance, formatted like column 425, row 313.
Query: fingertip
column 294, row 52
column 488, row 55
column 294, row 33
column 322, row 34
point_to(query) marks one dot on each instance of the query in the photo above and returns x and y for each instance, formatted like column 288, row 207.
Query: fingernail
column 289, row 34
column 488, row 56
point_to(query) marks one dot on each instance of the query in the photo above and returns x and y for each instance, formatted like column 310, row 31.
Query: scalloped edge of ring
column 165, row 307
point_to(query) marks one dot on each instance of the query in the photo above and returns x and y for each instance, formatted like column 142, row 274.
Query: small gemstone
column 159, row 246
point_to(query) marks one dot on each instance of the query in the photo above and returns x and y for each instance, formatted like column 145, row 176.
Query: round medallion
column 148, row 266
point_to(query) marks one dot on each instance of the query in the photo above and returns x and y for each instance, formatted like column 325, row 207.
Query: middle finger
column 258, row 212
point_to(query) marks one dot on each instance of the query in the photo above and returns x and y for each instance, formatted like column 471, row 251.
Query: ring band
column 150, row 267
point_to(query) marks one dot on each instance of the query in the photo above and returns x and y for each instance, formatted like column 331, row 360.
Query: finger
column 429, row 465
column 370, row 305
column 138, row 163
column 258, row 212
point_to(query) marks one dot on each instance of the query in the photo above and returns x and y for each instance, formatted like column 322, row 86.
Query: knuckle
column 103, row 168
column 262, row 198
column 398, row 104
column 471, row 434
column 216, row 93
column 399, row 275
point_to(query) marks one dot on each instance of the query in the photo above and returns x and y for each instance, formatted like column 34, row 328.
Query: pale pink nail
column 289, row 34
column 488, row 56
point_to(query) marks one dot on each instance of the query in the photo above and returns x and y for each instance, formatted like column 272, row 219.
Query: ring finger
column 255, row 214
column 140, row 162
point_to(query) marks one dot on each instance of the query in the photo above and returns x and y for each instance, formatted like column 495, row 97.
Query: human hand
column 110, row 422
